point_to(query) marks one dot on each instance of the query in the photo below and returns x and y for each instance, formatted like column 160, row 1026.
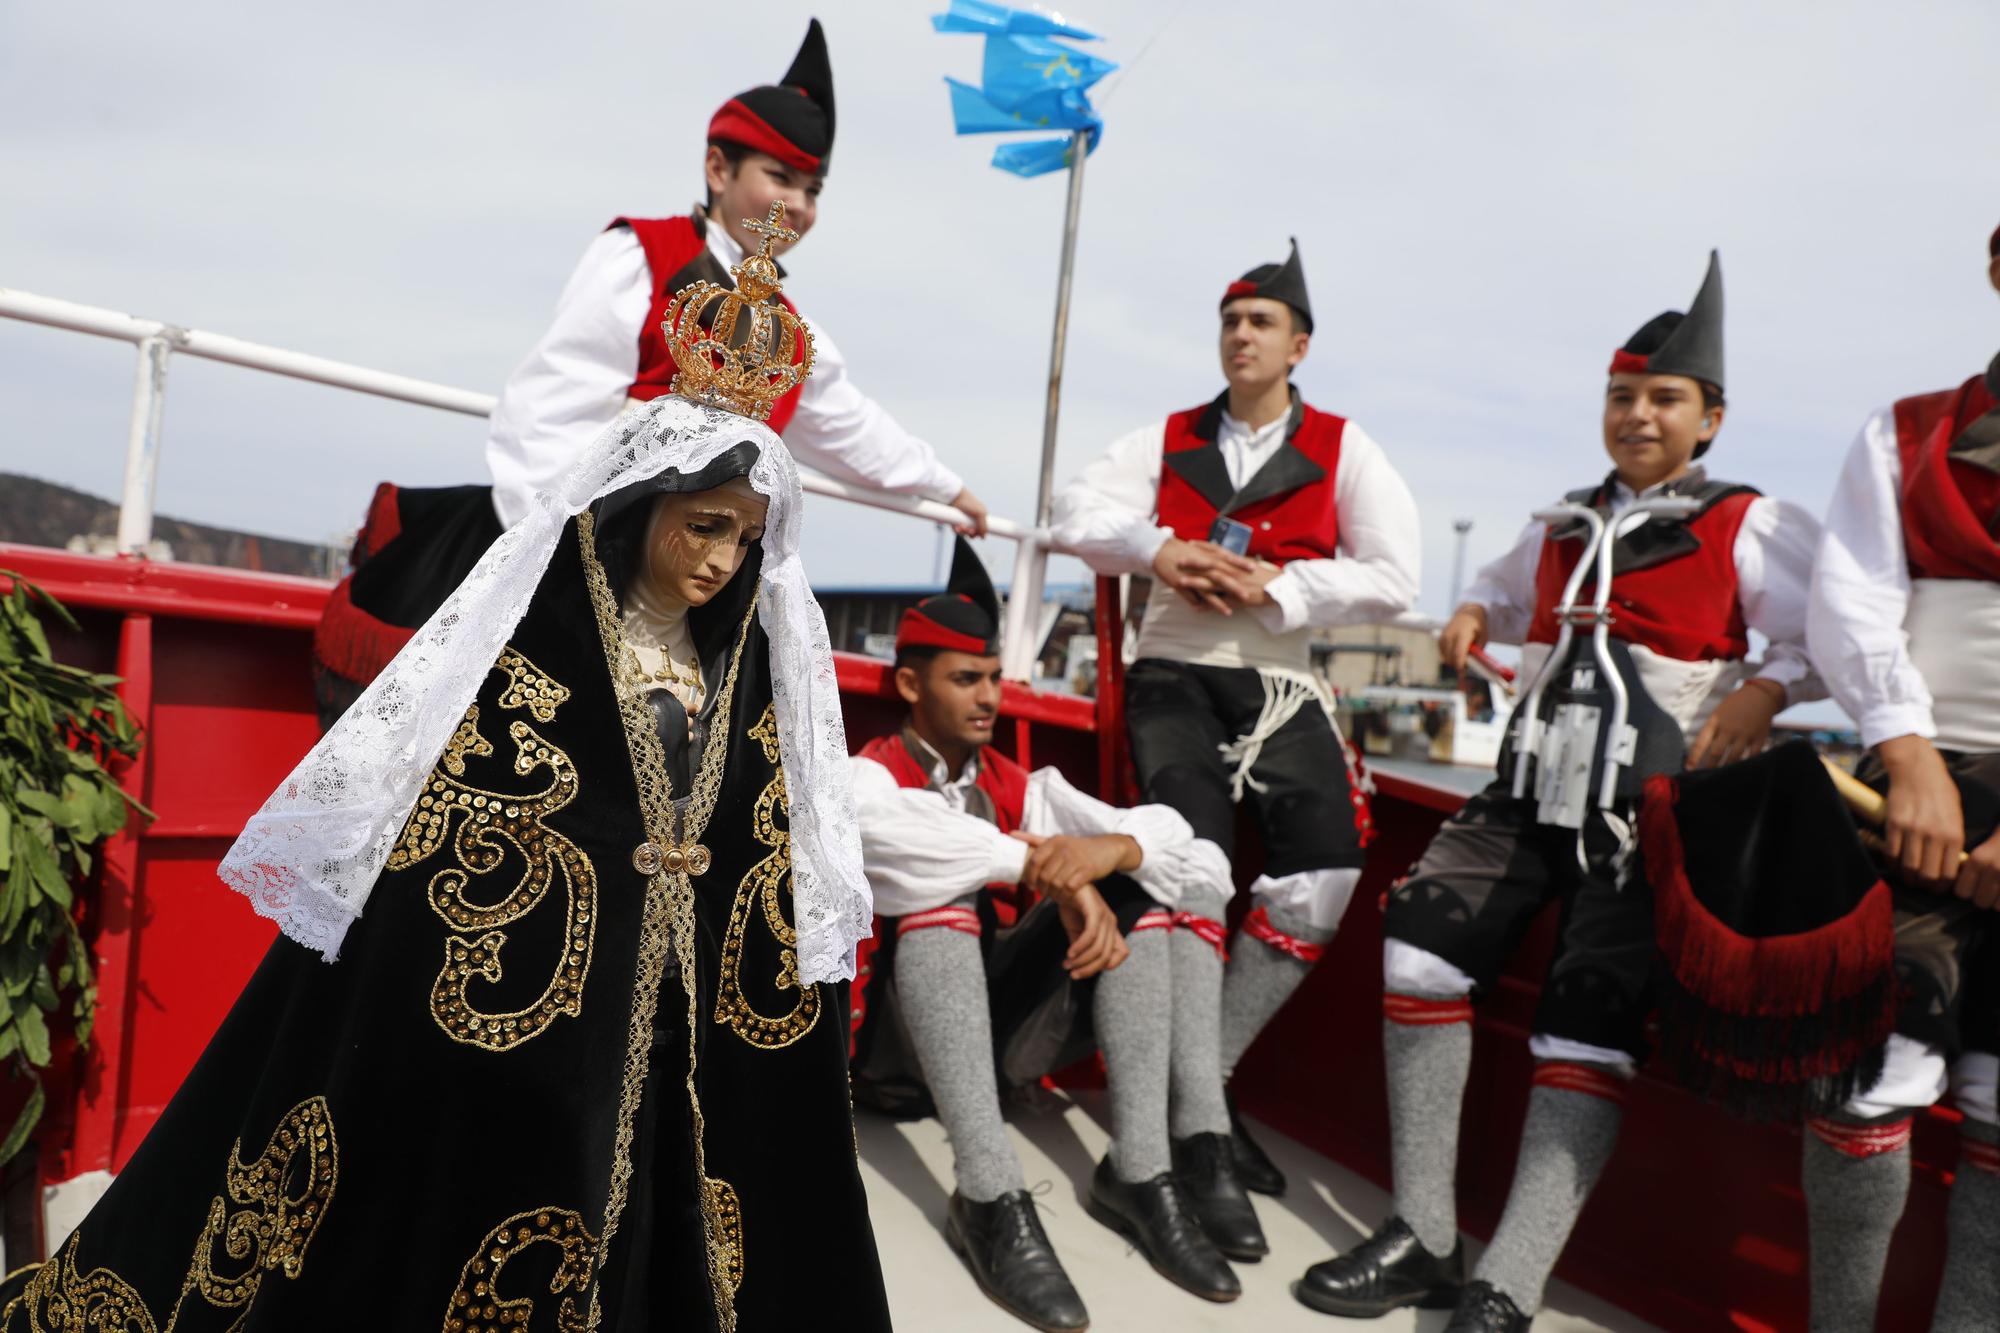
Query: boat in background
column 1697, row 1224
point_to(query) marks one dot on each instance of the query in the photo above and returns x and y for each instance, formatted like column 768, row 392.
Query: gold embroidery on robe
column 760, row 888
column 478, row 1306
column 261, row 1223
column 726, row 1212
column 488, row 823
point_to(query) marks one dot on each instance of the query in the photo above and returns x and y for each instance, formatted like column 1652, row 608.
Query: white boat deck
column 907, row 1167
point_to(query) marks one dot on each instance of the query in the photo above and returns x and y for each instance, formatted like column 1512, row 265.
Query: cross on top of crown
column 772, row 228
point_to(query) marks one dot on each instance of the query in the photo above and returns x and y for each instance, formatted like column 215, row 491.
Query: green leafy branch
column 60, row 729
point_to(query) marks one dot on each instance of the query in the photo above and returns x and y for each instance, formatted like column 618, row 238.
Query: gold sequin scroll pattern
column 481, row 825
column 760, row 887
column 477, row 1305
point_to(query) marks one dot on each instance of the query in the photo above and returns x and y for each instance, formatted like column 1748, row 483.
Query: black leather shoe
column 1483, row 1309
column 1157, row 1218
column 1207, row 1169
column 1003, row 1243
column 1257, row 1171
column 1389, row 1270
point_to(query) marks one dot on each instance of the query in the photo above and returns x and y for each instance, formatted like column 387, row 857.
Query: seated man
column 973, row 972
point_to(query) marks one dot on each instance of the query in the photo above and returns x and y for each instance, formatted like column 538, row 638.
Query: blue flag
column 982, row 19
column 1027, row 82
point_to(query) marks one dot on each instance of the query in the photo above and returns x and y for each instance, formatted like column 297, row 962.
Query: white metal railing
column 157, row 341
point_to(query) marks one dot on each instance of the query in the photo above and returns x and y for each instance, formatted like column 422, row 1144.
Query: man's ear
column 1711, row 422
column 715, row 169
column 909, row 684
column 1300, row 343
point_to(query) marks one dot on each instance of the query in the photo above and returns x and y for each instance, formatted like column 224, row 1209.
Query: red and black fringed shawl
column 1777, row 936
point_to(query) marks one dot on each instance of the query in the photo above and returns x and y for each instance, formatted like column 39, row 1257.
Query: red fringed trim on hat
column 352, row 644
column 917, row 630
column 1870, row 1140
column 1628, row 363
column 961, row 919
column 1208, row 928
column 384, row 522
column 1258, row 927
column 1576, row 1076
column 1780, row 976
column 734, row 122
column 1417, row 1011
column 1157, row 919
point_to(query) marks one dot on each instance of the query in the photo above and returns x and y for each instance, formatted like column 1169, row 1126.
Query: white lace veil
column 309, row 858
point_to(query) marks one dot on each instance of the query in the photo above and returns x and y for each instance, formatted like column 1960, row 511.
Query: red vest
column 1004, row 781
column 1290, row 504
column 1948, row 504
column 677, row 253
column 1683, row 606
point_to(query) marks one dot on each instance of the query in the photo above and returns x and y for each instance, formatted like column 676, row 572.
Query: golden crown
column 741, row 350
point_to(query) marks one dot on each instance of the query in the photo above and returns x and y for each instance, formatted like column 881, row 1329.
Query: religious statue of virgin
column 581, row 1064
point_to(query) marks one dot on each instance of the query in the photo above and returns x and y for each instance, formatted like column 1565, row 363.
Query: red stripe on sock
column 1157, row 919
column 1208, row 928
column 1981, row 1156
column 1258, row 927
column 1863, row 1140
column 1573, row 1076
column 1417, row 1011
column 962, row 919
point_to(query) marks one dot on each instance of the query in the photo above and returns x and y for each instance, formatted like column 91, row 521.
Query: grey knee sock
column 1196, row 1063
column 1427, row 1051
column 1969, row 1296
column 1134, row 1027
column 1855, row 1188
column 1565, row 1144
column 1262, row 976
column 941, row 992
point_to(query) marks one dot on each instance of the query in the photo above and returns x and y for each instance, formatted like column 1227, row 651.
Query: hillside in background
column 41, row 513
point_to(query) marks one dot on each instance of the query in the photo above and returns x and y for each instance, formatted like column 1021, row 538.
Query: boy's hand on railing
column 1197, row 570
column 1465, row 631
column 1740, row 726
column 974, row 508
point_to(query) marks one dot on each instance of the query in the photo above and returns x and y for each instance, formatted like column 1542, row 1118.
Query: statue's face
column 696, row 543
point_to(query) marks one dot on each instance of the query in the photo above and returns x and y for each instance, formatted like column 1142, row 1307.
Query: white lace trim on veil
column 310, row 857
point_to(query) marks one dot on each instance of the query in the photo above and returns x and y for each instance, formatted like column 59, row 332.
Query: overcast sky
column 1488, row 198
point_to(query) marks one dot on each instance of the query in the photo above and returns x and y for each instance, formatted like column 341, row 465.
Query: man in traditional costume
column 1261, row 520
column 956, row 837
column 1685, row 595
column 580, row 1065
column 604, row 354
column 1905, row 627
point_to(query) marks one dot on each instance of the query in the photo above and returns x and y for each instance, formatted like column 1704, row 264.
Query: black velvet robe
column 540, row 1089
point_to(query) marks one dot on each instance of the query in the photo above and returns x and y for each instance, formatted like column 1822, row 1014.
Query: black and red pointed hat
column 1280, row 282
column 1672, row 343
column 792, row 119
column 964, row 618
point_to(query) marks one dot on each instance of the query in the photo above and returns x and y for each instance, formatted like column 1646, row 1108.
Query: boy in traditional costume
column 959, row 842
column 581, row 1064
column 604, row 354
column 1904, row 626
column 1261, row 520
column 1685, row 595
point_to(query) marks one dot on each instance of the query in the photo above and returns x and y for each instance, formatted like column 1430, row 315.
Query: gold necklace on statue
column 671, row 674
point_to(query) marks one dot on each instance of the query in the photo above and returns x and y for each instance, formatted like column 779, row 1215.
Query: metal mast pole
column 1024, row 599
column 1079, row 152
